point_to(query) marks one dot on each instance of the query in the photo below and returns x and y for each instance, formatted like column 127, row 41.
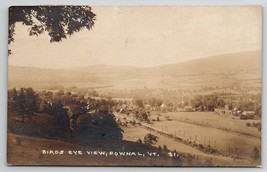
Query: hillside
column 216, row 64
column 228, row 68
column 24, row 150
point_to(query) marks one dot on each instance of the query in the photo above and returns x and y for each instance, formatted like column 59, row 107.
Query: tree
column 150, row 139
column 155, row 102
column 12, row 94
column 12, row 98
column 210, row 101
column 142, row 116
column 255, row 153
column 57, row 21
column 60, row 93
column 197, row 101
column 165, row 149
column 159, row 149
column 257, row 109
column 138, row 102
column 100, row 125
column 48, row 95
column 27, row 102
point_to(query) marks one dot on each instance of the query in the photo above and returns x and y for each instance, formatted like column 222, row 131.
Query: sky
column 145, row 37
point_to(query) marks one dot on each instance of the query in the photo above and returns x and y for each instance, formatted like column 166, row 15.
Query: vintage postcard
column 176, row 86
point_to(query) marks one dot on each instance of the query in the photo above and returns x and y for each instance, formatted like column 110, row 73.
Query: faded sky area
column 145, row 37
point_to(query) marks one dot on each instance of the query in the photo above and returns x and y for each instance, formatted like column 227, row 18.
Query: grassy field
column 134, row 133
column 214, row 120
column 24, row 150
column 211, row 129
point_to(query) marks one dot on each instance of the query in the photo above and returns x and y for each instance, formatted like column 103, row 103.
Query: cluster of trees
column 241, row 103
column 247, row 104
column 152, row 102
column 97, row 125
column 150, row 139
column 142, row 115
column 138, row 102
column 148, row 95
column 68, row 113
column 24, row 102
column 207, row 102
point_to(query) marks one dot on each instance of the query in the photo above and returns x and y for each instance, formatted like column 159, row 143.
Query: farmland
column 133, row 133
column 214, row 120
column 224, row 141
column 221, row 133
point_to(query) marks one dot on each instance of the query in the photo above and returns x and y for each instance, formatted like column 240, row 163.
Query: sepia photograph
column 155, row 86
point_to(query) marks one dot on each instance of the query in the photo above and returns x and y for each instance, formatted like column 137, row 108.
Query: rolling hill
column 221, row 69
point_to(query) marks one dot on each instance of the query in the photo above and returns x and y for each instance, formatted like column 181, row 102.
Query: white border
column 4, row 4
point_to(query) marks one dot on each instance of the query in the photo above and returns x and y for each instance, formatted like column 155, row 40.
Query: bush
column 159, row 149
column 201, row 146
column 139, row 141
column 245, row 117
column 255, row 153
column 150, row 139
column 165, row 149
column 259, row 128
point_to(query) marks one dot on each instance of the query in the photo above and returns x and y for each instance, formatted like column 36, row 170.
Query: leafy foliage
column 101, row 125
column 25, row 102
column 58, row 21
column 138, row 102
column 150, row 139
column 155, row 102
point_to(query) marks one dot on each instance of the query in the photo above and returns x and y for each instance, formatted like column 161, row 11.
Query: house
column 163, row 107
column 248, row 113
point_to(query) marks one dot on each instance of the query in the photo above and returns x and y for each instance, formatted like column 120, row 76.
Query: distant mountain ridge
column 234, row 61
column 103, row 74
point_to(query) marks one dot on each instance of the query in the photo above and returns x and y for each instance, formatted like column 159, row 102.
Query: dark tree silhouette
column 255, row 153
column 27, row 102
column 138, row 102
column 57, row 21
column 101, row 125
column 150, row 139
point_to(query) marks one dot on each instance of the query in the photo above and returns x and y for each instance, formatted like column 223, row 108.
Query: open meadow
column 231, row 137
